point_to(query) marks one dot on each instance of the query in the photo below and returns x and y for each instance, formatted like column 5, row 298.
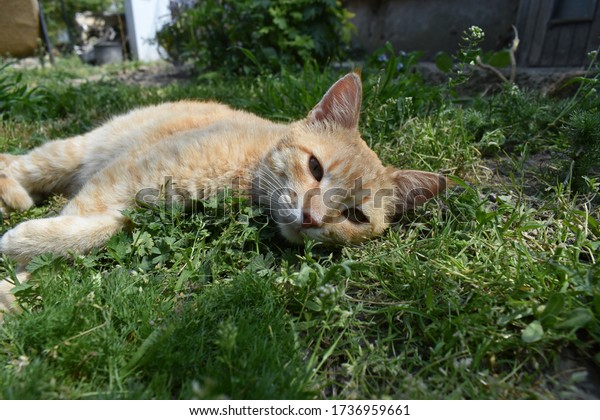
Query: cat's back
column 143, row 128
column 157, row 122
column 201, row 146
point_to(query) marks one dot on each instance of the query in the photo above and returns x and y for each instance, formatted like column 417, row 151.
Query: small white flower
column 326, row 290
column 20, row 363
column 463, row 363
column 476, row 32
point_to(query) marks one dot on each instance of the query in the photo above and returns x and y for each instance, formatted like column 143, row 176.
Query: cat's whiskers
column 268, row 185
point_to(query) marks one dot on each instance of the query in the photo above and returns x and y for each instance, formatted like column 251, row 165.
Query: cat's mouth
column 296, row 233
column 293, row 233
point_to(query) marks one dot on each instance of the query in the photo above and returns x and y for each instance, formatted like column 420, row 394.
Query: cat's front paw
column 8, row 245
column 12, row 195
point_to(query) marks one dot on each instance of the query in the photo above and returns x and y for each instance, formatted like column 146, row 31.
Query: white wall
column 144, row 19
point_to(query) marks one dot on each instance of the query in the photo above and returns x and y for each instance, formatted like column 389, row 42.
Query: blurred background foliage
column 60, row 17
column 248, row 36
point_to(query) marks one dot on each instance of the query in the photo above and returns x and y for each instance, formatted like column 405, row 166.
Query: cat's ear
column 413, row 188
column 341, row 104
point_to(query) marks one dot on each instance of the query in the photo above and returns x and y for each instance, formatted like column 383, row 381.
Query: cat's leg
column 85, row 222
column 60, row 235
column 52, row 167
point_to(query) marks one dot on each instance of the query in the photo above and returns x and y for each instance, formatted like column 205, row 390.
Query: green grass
column 488, row 292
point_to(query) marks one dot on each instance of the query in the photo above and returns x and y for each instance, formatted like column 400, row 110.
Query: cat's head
column 323, row 182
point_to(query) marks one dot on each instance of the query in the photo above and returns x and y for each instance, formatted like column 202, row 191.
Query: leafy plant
column 246, row 36
column 17, row 97
column 470, row 56
column 392, row 78
column 461, row 64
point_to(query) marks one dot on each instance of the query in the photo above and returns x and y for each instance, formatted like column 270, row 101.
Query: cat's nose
column 308, row 221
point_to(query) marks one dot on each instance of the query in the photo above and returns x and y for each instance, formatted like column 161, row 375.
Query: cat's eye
column 355, row 215
column 315, row 168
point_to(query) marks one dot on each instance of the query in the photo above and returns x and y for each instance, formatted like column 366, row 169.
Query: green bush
column 248, row 36
column 16, row 97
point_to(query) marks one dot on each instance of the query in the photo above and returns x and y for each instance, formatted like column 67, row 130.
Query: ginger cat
column 317, row 176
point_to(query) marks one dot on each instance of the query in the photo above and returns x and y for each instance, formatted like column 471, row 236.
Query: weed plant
column 488, row 292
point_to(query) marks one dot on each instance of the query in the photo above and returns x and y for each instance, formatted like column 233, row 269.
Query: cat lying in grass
column 316, row 176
